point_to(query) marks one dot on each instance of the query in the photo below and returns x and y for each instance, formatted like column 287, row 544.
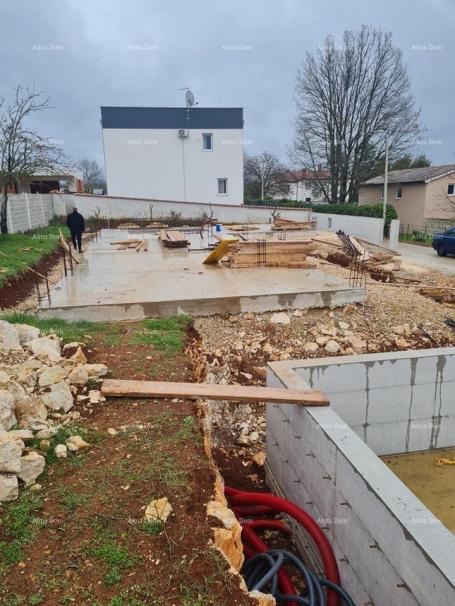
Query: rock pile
column 39, row 383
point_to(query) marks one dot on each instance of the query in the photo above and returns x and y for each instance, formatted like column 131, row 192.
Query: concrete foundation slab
column 112, row 284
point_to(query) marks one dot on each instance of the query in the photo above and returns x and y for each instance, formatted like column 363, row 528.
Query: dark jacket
column 75, row 223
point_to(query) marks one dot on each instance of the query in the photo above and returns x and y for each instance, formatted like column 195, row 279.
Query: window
column 207, row 141
column 451, row 189
column 222, row 187
column 398, row 192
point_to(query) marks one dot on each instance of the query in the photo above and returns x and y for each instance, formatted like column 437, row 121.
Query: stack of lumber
column 156, row 225
column 242, row 227
column 138, row 245
column 272, row 253
column 128, row 226
column 286, row 224
column 173, row 239
column 442, row 294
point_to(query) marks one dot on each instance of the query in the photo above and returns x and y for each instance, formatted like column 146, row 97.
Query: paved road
column 426, row 256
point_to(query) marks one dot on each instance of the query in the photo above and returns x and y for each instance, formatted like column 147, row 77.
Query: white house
column 190, row 154
column 303, row 184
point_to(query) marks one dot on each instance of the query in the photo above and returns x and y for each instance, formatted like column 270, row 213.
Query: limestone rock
column 268, row 348
column 343, row 325
column 27, row 333
column 47, row 433
column 79, row 357
column 9, row 487
column 31, row 466
column 69, row 347
column 158, row 510
column 332, row 347
column 330, row 331
column 297, row 313
column 4, row 377
column 310, row 348
column 9, row 337
column 61, row 451
column 16, row 390
column 7, row 416
column 78, row 376
column 402, row 344
column 264, row 599
column 95, row 396
column 45, row 348
column 358, row 345
column 30, row 410
column 96, row 370
column 75, row 443
column 60, row 397
column 10, row 457
column 19, row 434
column 322, row 341
column 280, row 318
column 52, row 375
column 259, row 459
column 44, row 445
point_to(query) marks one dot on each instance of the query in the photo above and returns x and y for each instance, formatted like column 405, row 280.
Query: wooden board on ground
column 196, row 391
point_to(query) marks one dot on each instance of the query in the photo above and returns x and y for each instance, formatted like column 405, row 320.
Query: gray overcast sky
column 246, row 53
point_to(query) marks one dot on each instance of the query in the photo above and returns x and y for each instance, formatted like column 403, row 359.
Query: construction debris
column 138, row 245
column 280, row 224
column 173, row 239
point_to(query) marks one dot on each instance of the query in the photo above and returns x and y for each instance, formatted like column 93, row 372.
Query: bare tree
column 264, row 176
column 23, row 152
column 91, row 174
column 348, row 96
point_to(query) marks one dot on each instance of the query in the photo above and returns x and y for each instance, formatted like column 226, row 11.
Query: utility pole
column 262, row 178
column 386, row 176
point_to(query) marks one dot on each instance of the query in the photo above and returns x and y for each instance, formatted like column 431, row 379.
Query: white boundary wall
column 391, row 550
column 29, row 211
column 119, row 208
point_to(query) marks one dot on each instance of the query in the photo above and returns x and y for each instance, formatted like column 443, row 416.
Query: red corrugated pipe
column 239, row 499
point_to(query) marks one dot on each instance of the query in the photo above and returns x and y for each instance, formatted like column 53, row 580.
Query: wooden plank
column 220, row 250
column 196, row 391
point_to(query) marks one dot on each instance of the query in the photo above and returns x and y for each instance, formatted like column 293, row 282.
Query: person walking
column 76, row 224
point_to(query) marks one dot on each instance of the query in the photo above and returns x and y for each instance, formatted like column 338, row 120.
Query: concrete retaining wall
column 396, row 402
column 29, row 211
column 118, row 208
column 390, row 549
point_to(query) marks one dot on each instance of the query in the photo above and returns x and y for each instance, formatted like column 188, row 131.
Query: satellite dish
column 189, row 98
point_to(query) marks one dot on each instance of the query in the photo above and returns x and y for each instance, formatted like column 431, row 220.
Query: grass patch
column 150, row 527
column 19, row 527
column 67, row 331
column 164, row 334
column 72, row 500
column 26, row 250
column 116, row 559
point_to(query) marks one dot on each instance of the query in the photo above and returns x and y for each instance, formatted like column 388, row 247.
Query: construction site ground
column 82, row 538
column 89, row 545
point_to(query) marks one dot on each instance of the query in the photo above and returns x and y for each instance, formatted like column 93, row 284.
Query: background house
column 424, row 198
column 190, row 154
column 303, row 185
column 45, row 183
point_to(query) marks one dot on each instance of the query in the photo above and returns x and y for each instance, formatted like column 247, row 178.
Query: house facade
column 189, row 154
column 424, row 198
column 303, row 185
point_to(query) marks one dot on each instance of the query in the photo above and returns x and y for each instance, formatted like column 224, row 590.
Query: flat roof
column 172, row 117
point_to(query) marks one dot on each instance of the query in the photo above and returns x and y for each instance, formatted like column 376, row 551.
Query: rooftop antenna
column 189, row 97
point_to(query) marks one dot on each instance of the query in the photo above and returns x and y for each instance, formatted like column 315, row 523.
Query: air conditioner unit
column 183, row 133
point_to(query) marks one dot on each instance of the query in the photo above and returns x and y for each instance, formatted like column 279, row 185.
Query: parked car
column 444, row 242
